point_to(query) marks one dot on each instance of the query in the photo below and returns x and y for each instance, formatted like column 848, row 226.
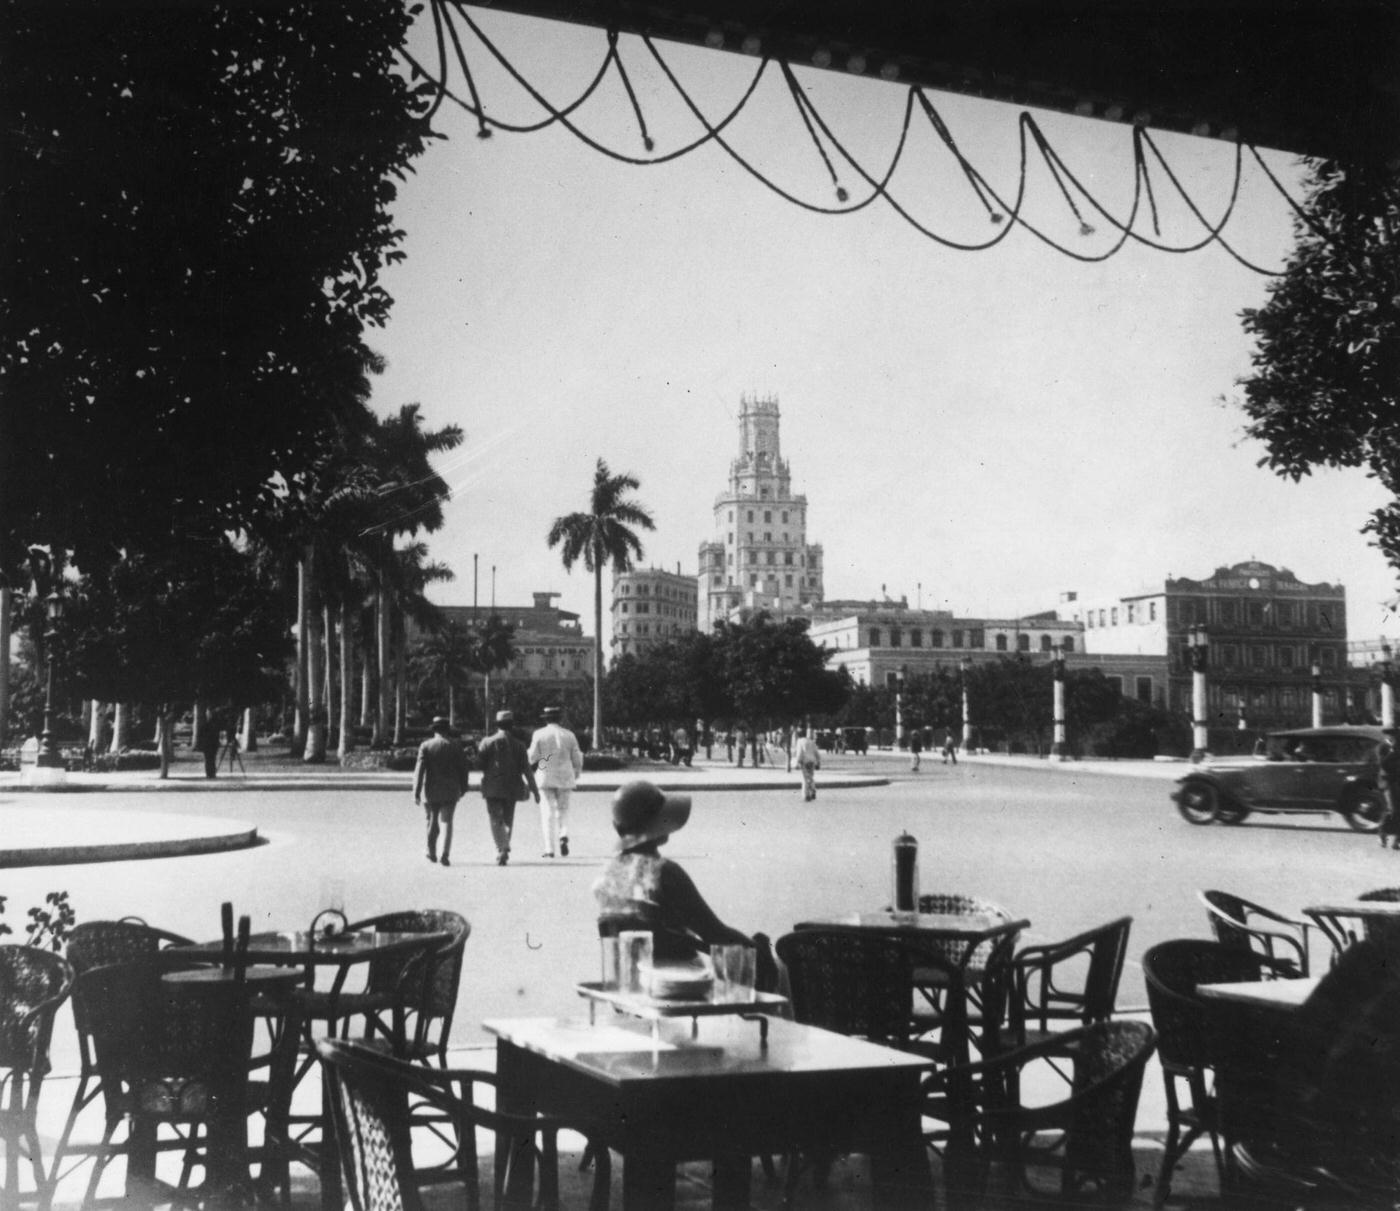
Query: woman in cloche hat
column 642, row 890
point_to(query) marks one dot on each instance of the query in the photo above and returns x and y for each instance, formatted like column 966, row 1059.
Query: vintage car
column 1313, row 769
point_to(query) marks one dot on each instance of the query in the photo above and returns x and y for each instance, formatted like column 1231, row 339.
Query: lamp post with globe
column 1199, row 641
column 1385, row 669
column 1058, row 748
column 1316, row 694
column 965, row 667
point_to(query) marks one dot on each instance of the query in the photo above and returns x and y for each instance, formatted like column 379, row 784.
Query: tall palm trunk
column 299, row 723
column 347, row 683
column 249, row 737
column 165, row 738
column 400, row 692
column 366, row 684
column 381, row 714
column 329, row 662
column 315, row 751
column 4, row 663
column 597, row 652
column 121, row 727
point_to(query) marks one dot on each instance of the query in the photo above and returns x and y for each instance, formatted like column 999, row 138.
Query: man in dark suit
column 506, row 778
column 439, row 779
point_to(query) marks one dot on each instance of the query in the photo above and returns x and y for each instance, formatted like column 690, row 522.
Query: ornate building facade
column 760, row 558
column 1265, row 632
column 651, row 607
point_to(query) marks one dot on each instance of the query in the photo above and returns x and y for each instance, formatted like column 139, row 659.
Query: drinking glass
column 742, row 964
column 719, row 960
column 611, row 966
column 634, row 962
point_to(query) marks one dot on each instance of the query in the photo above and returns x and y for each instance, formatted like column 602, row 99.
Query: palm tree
column 601, row 536
column 495, row 649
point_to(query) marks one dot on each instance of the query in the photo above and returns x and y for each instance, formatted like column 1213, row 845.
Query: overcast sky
column 977, row 431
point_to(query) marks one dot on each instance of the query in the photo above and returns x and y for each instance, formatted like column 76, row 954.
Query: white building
column 651, row 607
column 760, row 557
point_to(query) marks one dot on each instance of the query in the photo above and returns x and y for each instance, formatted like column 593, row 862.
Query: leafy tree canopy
column 773, row 672
column 194, row 218
column 1325, row 389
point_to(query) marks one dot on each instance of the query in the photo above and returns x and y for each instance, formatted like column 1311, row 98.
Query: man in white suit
column 558, row 761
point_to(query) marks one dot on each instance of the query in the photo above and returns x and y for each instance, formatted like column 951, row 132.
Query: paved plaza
column 1068, row 846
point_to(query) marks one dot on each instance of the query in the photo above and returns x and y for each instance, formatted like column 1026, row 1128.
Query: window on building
column 787, row 558
column 784, row 516
column 1001, row 643
column 1151, row 611
column 624, row 607
column 1329, row 658
column 1283, row 613
column 1045, row 643
column 1259, row 657
column 767, row 536
column 1089, row 620
column 731, row 515
column 874, row 637
column 787, row 580
column 935, row 638
column 1103, row 615
column 916, row 637
column 1113, row 617
column 729, row 560
column 753, row 580
column 767, row 514
column 1228, row 656
column 1069, row 643
column 750, row 516
column 957, row 639
column 772, row 559
column 896, row 637
column 1144, row 690
column 717, row 578
column 1132, row 611
column 1023, row 643
column 1285, row 657
column 976, row 638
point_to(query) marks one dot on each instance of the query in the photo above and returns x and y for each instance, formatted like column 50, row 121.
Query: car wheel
column 1198, row 802
column 1233, row 813
column 1365, row 811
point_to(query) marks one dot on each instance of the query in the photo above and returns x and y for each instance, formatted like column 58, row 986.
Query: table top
column 649, row 1008
column 625, row 1052
column 261, row 977
column 1357, row 908
column 942, row 924
column 302, row 947
column 1274, row 994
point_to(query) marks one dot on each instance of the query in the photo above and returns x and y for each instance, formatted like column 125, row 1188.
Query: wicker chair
column 1088, row 1136
column 33, row 984
column 98, row 944
column 1074, row 981
column 165, row 1057
column 1241, row 923
column 371, row 1094
column 1173, row 970
column 1343, row 930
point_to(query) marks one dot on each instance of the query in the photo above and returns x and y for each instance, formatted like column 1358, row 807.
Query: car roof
column 1365, row 730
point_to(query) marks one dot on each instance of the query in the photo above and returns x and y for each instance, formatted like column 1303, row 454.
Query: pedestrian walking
column 743, row 745
column 232, row 751
column 440, row 779
column 950, row 748
column 507, row 778
column 556, row 756
column 1388, row 781
column 683, row 751
column 916, row 750
column 809, row 761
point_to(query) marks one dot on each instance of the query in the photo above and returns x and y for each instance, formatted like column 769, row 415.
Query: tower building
column 760, row 558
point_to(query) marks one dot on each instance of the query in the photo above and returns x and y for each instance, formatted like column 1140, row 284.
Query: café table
column 1281, row 995
column 669, row 1091
column 309, row 950
column 950, row 926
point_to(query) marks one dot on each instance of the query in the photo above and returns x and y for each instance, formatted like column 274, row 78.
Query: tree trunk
column 164, row 729
column 95, row 726
column 381, row 714
column 328, row 696
column 486, row 702
column 400, row 693
column 197, row 725
column 347, row 684
column 366, row 684
column 315, row 751
column 4, row 663
column 451, row 707
column 597, row 654
column 299, row 720
column 121, row 727
column 249, row 739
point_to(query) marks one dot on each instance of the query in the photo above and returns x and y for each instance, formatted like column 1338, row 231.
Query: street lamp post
column 49, row 757
column 1199, row 641
column 1058, row 750
column 965, row 667
column 1316, row 694
column 1386, row 669
column 899, row 706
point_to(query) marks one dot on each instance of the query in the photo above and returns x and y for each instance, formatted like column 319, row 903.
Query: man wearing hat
column 439, row 779
column 506, row 778
column 555, row 753
column 642, row 890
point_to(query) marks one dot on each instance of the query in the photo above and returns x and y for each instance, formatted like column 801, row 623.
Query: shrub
column 605, row 761
column 126, row 760
column 48, row 924
column 396, row 759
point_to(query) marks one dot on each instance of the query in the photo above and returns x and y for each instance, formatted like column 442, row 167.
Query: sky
column 976, row 431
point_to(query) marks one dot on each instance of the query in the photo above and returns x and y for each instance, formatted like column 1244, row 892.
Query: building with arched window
column 651, row 607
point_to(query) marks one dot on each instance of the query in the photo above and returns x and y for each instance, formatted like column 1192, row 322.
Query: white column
column 1387, row 703
column 1200, row 738
column 1058, row 750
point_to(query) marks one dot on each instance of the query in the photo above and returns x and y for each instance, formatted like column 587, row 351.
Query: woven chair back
column 33, row 983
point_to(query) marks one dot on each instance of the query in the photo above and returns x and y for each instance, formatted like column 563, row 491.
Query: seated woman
column 642, row 890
